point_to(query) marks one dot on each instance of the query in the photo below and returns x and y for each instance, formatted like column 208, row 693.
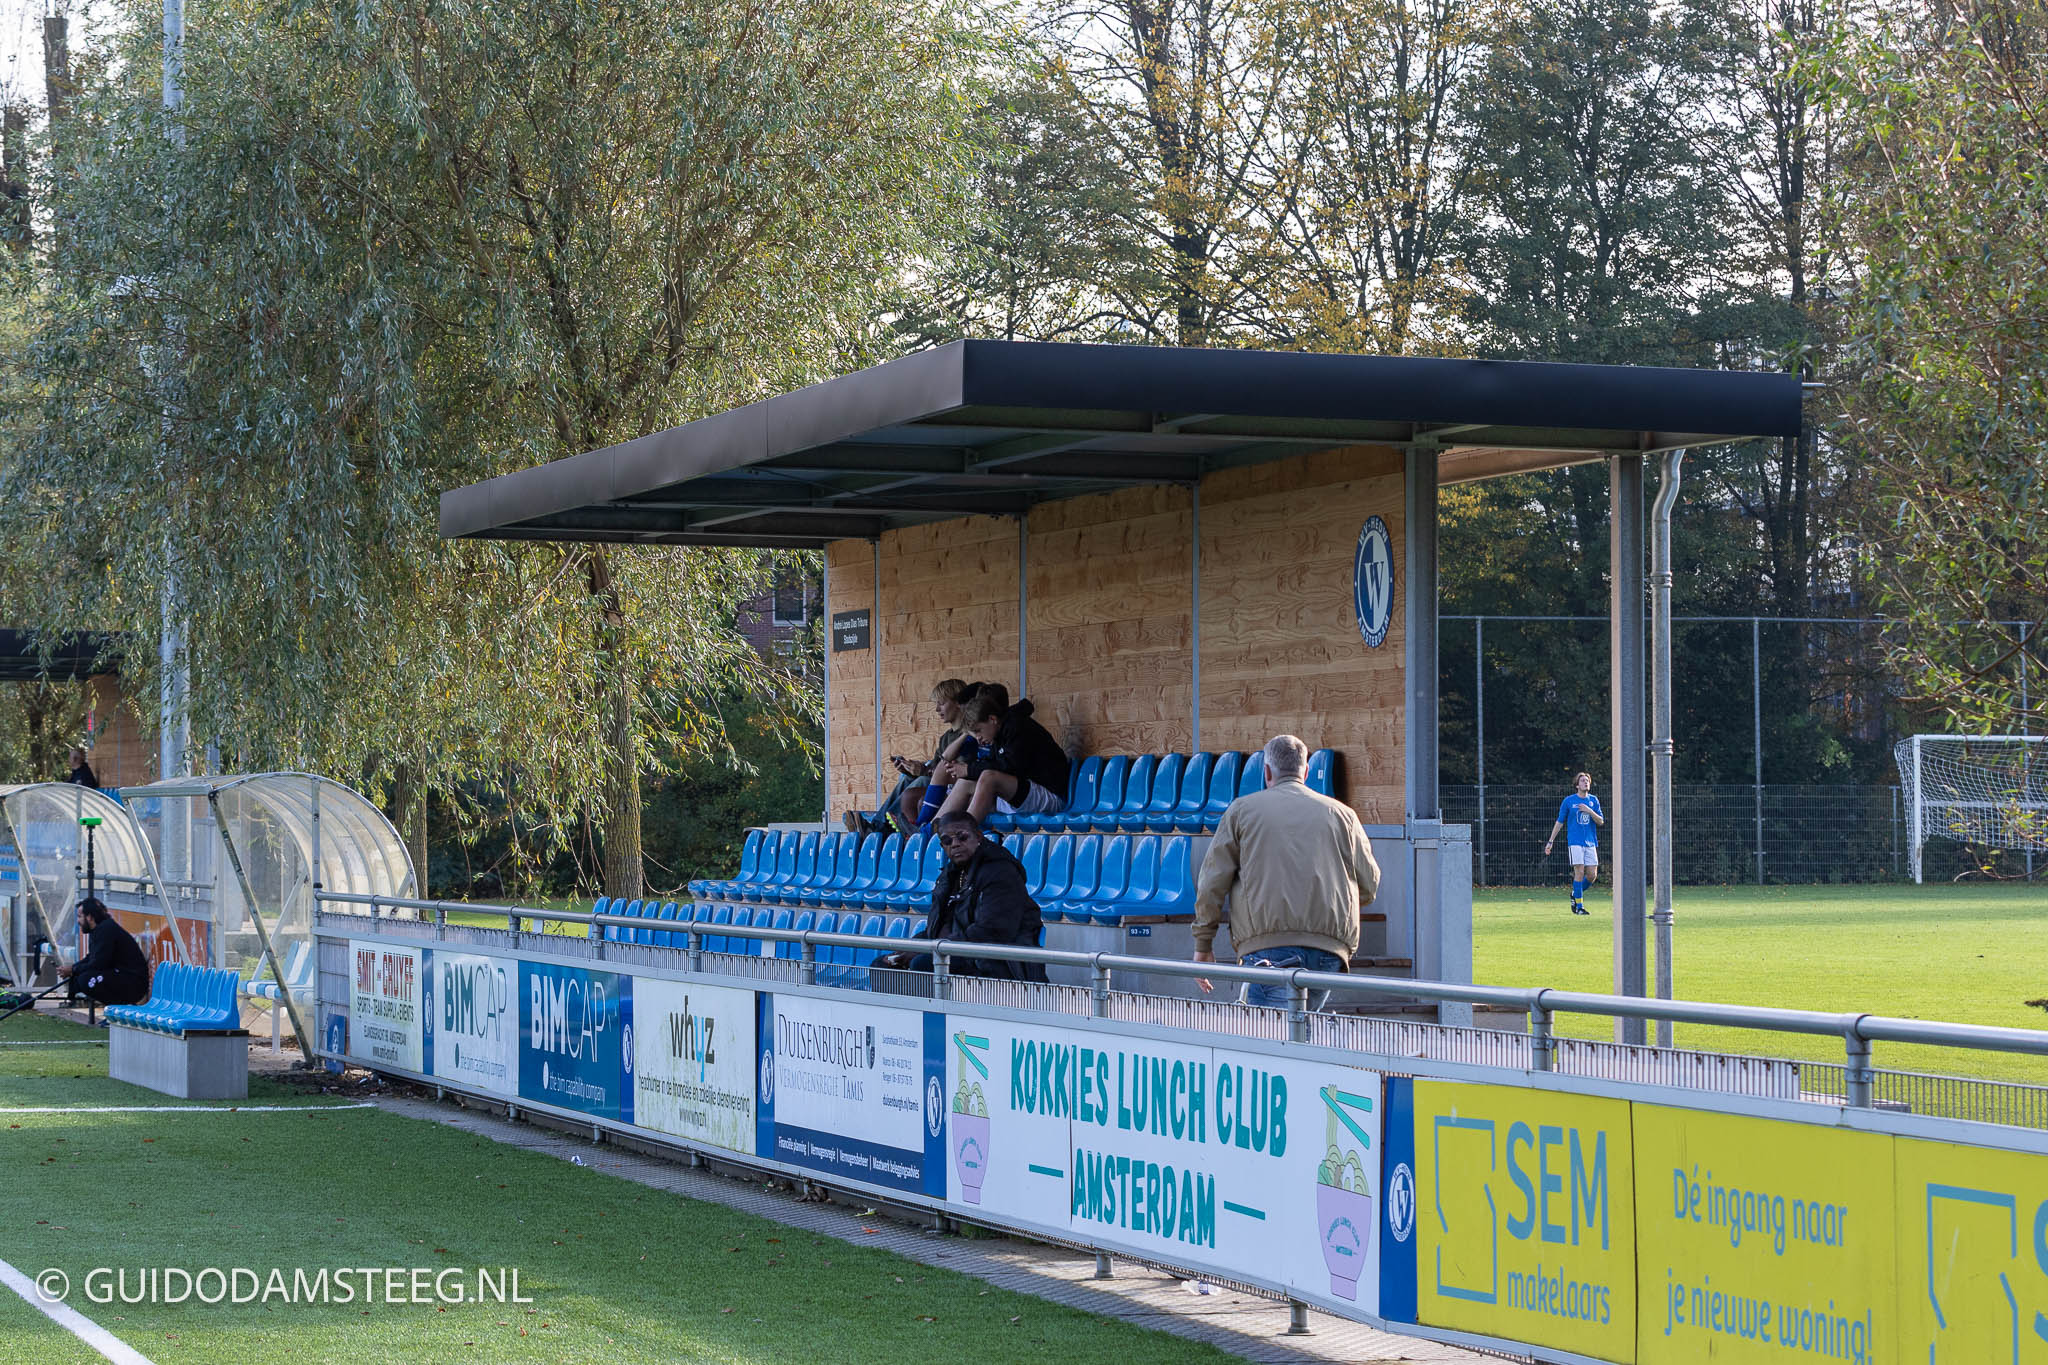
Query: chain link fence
column 1722, row 835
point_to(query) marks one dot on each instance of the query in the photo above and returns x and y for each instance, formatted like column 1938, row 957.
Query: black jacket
column 115, row 954
column 984, row 900
column 84, row 776
column 1026, row 751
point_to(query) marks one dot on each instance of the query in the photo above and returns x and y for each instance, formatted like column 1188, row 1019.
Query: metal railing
column 1543, row 1004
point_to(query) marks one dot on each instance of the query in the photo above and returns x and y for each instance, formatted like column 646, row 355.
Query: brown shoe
column 854, row 824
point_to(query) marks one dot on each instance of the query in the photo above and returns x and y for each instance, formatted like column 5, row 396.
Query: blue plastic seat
column 897, row 927
column 806, row 868
column 783, row 918
column 721, row 917
column 888, row 868
column 184, row 999
column 1165, row 791
column 1030, row 851
column 703, row 888
column 1322, row 772
column 667, row 938
column 1223, row 779
column 830, row 849
column 769, row 888
column 1082, row 789
column 1137, row 795
column 1253, row 778
column 918, row 925
column 790, row 948
column 914, row 888
column 1087, row 865
column 1141, row 886
column 867, row 867
column 845, row 863
column 1100, row 905
column 1059, row 870
column 1109, row 798
column 1175, row 894
column 1186, row 813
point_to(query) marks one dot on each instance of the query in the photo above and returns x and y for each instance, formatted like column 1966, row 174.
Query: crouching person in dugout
column 980, row 897
column 114, row 970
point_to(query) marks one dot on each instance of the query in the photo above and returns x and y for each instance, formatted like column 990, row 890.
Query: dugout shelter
column 1170, row 551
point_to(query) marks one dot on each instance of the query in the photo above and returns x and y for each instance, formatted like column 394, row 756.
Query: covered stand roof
column 994, row 427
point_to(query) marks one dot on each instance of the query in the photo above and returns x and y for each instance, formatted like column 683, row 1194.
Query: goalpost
column 1978, row 789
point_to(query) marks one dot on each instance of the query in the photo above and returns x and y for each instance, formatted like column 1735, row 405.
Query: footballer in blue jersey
column 1579, row 818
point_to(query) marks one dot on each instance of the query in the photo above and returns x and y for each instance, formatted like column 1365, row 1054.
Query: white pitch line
column 190, row 1109
column 58, row 1042
column 73, row 1321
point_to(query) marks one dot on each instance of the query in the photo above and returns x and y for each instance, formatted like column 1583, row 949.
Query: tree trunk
column 619, row 823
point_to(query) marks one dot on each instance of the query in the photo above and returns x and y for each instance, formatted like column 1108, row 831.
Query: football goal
column 1986, row 790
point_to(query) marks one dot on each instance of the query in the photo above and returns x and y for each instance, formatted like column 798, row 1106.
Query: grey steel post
column 512, row 921
column 1023, row 601
column 1625, row 722
column 696, row 947
column 1099, row 991
column 1297, row 1318
column 1756, row 713
column 942, row 975
column 1420, row 627
column 1195, row 616
column 1542, row 1041
column 1661, row 740
column 825, row 685
column 1479, row 737
column 440, row 921
column 174, row 716
column 807, row 963
column 875, row 644
column 1856, row 1075
column 1103, row 1269
column 1297, row 1011
column 313, row 792
column 1913, row 808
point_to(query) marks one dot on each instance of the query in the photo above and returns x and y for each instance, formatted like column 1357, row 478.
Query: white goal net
column 1986, row 790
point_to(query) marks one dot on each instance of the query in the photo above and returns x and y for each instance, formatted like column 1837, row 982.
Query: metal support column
column 1479, row 736
column 2026, row 728
column 1756, row 716
column 1662, row 915
column 1625, row 720
column 1023, row 604
column 1419, row 625
column 1195, row 616
column 825, row 685
column 875, row 644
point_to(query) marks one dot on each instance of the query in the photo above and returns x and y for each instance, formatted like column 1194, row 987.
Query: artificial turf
column 616, row 1271
column 1971, row 954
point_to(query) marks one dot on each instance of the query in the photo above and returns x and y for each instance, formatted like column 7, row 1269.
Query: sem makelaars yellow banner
column 1973, row 1254
column 1762, row 1240
column 1525, row 1225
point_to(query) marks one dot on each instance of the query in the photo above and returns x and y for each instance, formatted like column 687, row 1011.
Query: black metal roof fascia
column 1013, row 392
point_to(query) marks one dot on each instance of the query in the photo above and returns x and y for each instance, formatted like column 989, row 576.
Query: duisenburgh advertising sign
column 575, row 1048
column 473, row 1021
column 1245, row 1163
column 852, row 1090
column 693, row 1058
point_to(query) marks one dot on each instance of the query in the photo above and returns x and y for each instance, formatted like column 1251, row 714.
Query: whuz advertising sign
column 856, row 1091
column 693, row 1058
column 1249, row 1164
column 384, row 1005
column 575, row 1048
column 473, row 1021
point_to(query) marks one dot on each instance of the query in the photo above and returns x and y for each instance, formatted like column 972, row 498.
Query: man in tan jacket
column 1297, row 868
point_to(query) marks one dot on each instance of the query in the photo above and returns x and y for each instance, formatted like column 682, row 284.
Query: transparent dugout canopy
column 280, row 827
column 39, row 827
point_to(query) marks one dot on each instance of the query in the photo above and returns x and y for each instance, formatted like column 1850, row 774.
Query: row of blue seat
column 1162, row 793
column 1081, row 878
column 843, row 966
column 184, row 1000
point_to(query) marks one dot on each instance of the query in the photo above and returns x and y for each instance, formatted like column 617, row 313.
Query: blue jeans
column 1308, row 959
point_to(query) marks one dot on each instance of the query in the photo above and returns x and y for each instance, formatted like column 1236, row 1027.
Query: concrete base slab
column 202, row 1066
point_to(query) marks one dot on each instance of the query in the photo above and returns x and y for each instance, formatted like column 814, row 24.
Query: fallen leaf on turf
column 725, row 1310
column 926, row 1317
column 1018, row 1318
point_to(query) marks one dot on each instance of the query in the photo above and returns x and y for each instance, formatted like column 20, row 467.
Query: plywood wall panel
column 1109, row 628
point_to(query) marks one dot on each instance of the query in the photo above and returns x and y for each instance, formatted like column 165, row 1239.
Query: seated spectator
column 946, row 703
column 981, row 897
column 114, row 970
column 1022, row 769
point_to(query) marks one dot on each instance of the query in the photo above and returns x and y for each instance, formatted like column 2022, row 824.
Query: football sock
column 1578, row 890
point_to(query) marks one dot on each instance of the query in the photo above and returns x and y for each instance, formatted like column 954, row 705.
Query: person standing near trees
column 1580, row 814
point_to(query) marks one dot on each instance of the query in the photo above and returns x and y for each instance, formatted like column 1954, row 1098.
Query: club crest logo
column 1372, row 582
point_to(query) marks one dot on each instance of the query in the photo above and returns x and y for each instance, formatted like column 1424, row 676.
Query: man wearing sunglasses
column 980, row 897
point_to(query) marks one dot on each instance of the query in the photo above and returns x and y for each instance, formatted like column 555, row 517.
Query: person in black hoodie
column 980, row 897
column 114, row 970
column 1022, row 768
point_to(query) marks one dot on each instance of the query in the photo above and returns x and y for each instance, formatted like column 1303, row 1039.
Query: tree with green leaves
column 1939, row 206
column 409, row 244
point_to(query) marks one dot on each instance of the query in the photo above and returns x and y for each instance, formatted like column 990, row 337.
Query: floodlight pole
column 174, row 720
column 1661, row 745
column 284, row 987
